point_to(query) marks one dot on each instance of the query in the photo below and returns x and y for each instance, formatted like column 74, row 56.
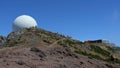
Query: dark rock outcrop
column 2, row 41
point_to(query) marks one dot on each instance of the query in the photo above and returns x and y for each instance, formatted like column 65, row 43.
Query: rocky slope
column 38, row 48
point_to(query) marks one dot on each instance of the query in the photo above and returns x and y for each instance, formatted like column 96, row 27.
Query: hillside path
column 56, row 42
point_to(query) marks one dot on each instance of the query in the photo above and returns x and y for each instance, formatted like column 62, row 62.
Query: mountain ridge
column 38, row 48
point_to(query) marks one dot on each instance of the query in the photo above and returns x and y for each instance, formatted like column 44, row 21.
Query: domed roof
column 24, row 21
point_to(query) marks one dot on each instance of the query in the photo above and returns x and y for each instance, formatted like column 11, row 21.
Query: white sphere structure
column 24, row 21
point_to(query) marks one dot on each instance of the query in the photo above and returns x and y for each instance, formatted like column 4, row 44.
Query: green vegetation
column 110, row 49
column 14, row 42
column 49, row 34
column 69, row 42
column 97, row 56
column 110, row 61
column 60, row 43
column 99, row 50
column 89, row 55
column 117, row 61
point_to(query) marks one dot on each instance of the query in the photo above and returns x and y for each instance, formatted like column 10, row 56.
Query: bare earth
column 39, row 56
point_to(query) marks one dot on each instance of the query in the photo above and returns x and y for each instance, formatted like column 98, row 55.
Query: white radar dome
column 24, row 21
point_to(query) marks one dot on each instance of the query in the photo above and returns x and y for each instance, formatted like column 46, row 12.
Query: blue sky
column 80, row 19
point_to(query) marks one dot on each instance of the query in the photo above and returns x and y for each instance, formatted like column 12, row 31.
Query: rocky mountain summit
column 38, row 48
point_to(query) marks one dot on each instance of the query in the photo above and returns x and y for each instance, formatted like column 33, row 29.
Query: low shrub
column 89, row 55
column 100, row 50
column 110, row 49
